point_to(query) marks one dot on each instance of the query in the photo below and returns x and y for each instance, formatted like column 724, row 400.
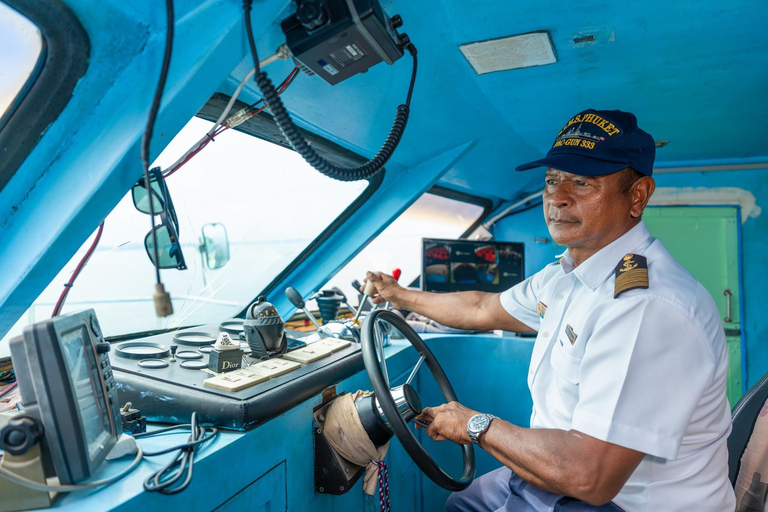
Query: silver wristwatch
column 478, row 424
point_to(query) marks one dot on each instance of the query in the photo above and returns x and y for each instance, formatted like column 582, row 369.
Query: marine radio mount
column 337, row 39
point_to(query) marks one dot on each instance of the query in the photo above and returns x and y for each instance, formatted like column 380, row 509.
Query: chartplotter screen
column 462, row 265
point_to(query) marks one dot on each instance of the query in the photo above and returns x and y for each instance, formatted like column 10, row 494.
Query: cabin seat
column 745, row 417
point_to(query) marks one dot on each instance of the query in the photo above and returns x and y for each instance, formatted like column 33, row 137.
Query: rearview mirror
column 214, row 245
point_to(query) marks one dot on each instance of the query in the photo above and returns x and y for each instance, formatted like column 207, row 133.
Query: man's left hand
column 448, row 421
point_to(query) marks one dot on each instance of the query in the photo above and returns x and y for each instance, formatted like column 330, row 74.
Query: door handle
column 728, row 306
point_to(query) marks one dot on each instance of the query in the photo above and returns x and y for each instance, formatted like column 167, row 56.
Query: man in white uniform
column 628, row 372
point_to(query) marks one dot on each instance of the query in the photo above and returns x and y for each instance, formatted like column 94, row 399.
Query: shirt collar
column 600, row 265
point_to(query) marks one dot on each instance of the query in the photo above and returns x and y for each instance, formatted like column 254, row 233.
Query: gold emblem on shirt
column 628, row 264
column 631, row 273
column 541, row 309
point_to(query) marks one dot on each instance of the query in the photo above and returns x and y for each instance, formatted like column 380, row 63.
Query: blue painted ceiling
column 694, row 73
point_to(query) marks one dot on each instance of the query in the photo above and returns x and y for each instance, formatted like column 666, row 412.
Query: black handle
column 295, row 297
column 20, row 434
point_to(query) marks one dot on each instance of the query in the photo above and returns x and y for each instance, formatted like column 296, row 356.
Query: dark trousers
column 503, row 491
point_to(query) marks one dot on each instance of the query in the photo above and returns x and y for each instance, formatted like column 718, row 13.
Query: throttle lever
column 297, row 300
column 369, row 287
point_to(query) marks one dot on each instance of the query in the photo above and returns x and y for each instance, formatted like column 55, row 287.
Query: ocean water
column 119, row 284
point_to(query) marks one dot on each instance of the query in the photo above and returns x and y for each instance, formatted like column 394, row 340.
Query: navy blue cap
column 599, row 142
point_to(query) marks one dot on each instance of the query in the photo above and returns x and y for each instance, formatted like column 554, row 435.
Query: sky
column 20, row 44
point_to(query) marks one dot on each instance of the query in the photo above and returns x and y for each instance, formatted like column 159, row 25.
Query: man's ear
column 642, row 190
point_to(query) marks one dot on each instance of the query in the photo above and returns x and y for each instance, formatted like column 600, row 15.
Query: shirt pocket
column 563, row 394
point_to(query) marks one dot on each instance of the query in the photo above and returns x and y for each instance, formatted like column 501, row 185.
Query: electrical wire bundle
column 93, row 484
column 78, row 269
column 176, row 475
column 171, row 479
column 235, row 120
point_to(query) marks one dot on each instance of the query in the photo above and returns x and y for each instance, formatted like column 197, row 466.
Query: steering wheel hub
column 389, row 410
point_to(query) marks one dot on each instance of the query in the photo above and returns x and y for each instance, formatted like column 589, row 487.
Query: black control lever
column 295, row 297
column 297, row 300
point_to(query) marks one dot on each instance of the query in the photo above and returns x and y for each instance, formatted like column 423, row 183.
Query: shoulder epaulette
column 631, row 273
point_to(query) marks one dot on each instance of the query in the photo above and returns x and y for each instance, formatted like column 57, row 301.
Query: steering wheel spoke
column 415, row 369
column 401, row 405
column 379, row 338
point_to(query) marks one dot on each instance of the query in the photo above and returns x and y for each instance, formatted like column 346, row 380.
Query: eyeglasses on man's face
column 169, row 253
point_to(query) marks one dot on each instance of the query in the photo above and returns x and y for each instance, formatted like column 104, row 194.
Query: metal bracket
column 333, row 473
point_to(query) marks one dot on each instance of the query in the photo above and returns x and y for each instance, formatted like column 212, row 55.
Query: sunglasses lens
column 141, row 197
column 168, row 249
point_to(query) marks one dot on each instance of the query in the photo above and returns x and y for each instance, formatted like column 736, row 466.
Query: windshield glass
column 21, row 45
column 269, row 202
column 399, row 246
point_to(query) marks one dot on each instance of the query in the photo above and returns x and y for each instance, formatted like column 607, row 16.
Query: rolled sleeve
column 644, row 370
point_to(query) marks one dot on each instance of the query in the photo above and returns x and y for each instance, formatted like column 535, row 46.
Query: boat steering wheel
column 398, row 404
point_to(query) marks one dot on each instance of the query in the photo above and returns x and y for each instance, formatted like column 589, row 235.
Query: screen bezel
column 455, row 287
column 48, row 393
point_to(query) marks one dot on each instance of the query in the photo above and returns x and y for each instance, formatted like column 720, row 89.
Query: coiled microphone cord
column 296, row 139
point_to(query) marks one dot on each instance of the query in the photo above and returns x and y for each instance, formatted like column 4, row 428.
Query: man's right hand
column 479, row 311
column 386, row 287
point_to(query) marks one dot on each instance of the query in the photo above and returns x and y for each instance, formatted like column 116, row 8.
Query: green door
column 705, row 240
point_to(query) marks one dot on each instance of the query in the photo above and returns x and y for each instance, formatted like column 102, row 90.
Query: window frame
column 448, row 193
column 63, row 60
column 263, row 126
column 484, row 202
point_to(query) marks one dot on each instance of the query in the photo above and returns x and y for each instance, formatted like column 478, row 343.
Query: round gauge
column 194, row 338
column 153, row 364
column 205, row 350
column 189, row 354
column 194, row 365
column 141, row 350
column 233, row 327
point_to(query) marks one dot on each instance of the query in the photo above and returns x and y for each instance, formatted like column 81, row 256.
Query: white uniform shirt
column 646, row 370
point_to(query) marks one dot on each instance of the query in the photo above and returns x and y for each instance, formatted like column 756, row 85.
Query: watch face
column 478, row 423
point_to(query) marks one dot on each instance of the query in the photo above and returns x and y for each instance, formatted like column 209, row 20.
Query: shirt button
column 545, row 334
column 560, row 296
